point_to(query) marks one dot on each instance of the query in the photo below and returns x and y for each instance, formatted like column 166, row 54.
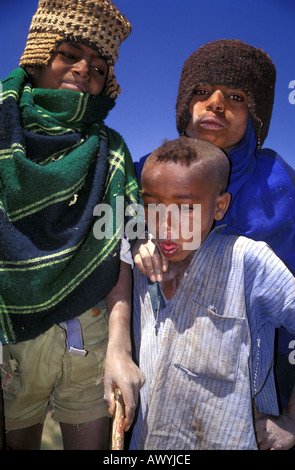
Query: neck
column 173, row 276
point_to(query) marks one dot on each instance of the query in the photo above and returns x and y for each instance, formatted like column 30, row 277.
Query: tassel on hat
column 98, row 24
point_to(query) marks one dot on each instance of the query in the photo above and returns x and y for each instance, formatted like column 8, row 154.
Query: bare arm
column 120, row 370
column 277, row 432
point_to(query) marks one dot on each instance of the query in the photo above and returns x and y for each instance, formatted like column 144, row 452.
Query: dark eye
column 187, row 207
column 201, row 91
column 67, row 55
column 99, row 70
column 237, row 97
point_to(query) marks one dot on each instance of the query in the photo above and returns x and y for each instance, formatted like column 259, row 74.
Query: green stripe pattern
column 48, row 246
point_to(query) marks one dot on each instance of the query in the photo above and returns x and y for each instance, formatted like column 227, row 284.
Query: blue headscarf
column 262, row 186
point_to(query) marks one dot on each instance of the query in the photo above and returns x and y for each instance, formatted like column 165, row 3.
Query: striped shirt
column 209, row 351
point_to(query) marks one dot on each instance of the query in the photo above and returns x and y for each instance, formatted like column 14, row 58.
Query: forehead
column 79, row 47
column 157, row 169
column 172, row 177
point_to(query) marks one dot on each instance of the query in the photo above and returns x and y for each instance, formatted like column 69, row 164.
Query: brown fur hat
column 235, row 64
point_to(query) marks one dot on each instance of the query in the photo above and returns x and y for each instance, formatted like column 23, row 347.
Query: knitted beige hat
column 98, row 24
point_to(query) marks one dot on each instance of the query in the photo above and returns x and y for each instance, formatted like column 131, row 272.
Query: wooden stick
column 117, row 435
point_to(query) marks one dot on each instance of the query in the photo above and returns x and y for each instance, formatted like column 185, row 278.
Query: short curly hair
column 187, row 151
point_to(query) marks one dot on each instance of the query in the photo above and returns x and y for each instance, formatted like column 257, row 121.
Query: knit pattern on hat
column 98, row 24
column 237, row 65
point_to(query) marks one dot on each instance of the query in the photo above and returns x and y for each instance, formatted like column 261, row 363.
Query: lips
column 168, row 247
column 73, row 86
column 212, row 123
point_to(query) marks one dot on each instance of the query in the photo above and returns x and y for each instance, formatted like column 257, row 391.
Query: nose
column 81, row 68
column 169, row 221
column 215, row 101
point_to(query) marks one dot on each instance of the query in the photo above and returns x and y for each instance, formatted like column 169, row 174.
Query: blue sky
column 165, row 33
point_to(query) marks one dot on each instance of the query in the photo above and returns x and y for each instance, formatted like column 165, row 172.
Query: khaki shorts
column 40, row 374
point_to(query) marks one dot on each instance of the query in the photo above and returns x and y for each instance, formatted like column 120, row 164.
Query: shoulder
column 274, row 166
column 242, row 246
column 260, row 257
column 117, row 146
column 114, row 136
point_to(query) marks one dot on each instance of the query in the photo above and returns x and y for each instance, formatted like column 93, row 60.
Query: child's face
column 169, row 183
column 73, row 67
column 219, row 115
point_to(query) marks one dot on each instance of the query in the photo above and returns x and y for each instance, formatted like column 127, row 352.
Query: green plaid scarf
column 58, row 161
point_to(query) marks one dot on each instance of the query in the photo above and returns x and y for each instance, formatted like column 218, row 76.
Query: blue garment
column 262, row 186
column 139, row 166
column 263, row 198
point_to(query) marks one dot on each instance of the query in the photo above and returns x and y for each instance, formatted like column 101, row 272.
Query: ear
column 30, row 70
column 222, row 204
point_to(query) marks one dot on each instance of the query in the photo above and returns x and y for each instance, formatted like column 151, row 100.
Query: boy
column 65, row 294
column 204, row 335
column 225, row 96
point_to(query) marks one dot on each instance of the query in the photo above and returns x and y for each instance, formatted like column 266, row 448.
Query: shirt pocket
column 213, row 343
